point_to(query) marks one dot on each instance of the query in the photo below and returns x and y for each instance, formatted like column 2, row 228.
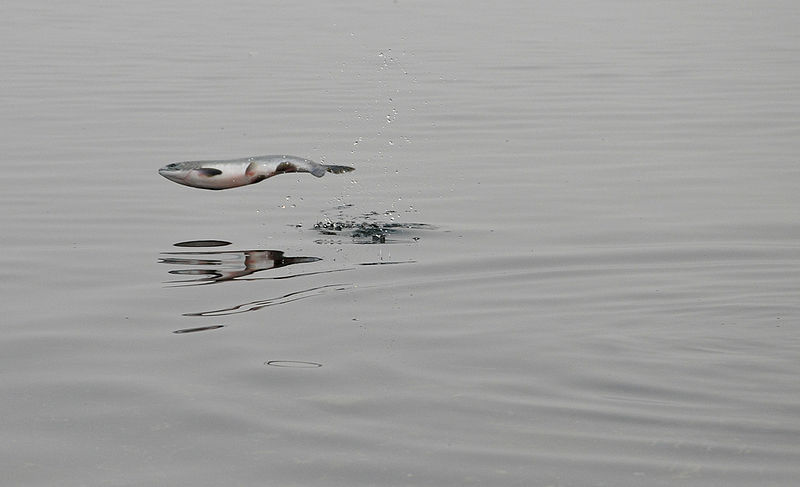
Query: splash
column 371, row 228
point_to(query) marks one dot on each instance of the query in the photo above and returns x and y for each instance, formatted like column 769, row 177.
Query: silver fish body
column 232, row 173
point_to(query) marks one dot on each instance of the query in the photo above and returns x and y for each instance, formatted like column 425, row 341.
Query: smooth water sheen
column 569, row 254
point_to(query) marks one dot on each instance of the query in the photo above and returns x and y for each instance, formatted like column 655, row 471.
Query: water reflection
column 199, row 328
column 297, row 364
column 211, row 267
column 274, row 301
column 203, row 243
column 201, row 267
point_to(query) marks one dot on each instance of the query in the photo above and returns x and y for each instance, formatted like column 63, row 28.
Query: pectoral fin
column 208, row 171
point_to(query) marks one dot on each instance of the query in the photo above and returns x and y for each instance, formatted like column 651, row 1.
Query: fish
column 232, row 173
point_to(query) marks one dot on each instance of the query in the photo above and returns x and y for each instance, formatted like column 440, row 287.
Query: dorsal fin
column 208, row 171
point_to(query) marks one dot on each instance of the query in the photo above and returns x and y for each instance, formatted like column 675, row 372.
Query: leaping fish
column 240, row 172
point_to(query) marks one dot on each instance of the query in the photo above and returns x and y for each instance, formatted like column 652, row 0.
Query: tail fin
column 338, row 169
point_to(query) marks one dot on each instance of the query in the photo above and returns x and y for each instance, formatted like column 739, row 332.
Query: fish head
column 194, row 174
column 175, row 172
column 206, row 174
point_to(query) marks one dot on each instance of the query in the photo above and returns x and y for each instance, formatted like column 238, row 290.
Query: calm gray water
column 569, row 255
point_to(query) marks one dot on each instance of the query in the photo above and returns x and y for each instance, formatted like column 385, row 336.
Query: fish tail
column 337, row 169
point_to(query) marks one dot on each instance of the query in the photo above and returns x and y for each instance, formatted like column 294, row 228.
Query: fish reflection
column 211, row 267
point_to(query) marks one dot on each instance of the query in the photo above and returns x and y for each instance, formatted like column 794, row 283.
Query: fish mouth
column 169, row 169
column 171, row 173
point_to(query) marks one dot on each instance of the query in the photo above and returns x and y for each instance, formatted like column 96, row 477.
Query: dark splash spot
column 202, row 243
column 194, row 330
column 297, row 364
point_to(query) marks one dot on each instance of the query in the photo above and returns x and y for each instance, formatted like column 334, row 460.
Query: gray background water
column 607, row 293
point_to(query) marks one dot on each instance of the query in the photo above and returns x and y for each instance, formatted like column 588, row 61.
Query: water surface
column 568, row 256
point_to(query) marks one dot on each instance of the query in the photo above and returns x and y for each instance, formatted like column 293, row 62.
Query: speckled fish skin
column 232, row 173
